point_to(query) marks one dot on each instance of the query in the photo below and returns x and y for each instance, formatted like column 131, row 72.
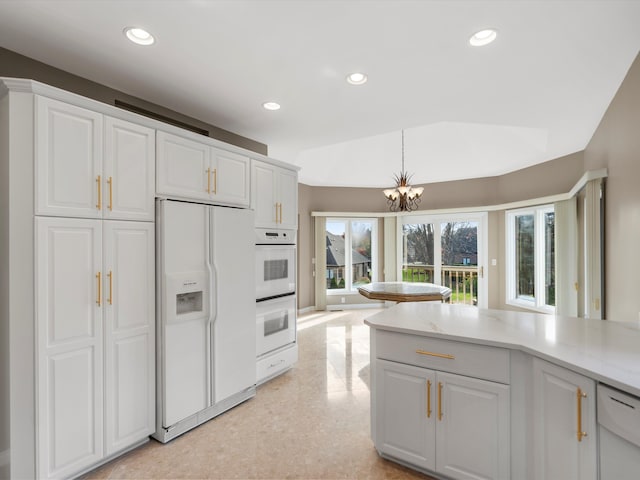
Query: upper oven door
column 275, row 270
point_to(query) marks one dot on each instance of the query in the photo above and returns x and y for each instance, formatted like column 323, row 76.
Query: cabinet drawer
column 489, row 363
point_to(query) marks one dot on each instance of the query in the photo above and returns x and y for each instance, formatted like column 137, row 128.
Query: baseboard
column 354, row 306
column 304, row 310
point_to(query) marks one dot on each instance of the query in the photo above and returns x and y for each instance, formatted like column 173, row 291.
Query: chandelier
column 404, row 197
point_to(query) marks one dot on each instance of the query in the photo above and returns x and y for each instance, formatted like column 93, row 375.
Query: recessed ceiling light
column 139, row 36
column 271, row 106
column 357, row 78
column 483, row 37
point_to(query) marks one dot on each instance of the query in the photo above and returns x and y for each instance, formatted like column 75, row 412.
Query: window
column 445, row 250
column 351, row 253
column 531, row 258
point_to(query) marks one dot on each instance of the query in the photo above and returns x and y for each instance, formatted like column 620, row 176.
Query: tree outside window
column 351, row 247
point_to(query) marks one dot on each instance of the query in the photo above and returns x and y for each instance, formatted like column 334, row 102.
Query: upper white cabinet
column 194, row 170
column 95, row 324
column 447, row 423
column 68, row 160
column 90, row 165
column 128, row 191
column 564, row 424
column 274, row 195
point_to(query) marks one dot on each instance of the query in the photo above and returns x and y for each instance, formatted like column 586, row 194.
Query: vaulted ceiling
column 536, row 93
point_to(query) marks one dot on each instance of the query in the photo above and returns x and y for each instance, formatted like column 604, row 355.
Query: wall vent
column 160, row 117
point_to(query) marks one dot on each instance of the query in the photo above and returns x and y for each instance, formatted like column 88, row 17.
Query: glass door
column 458, row 263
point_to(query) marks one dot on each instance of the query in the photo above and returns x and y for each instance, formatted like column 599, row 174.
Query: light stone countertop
column 604, row 350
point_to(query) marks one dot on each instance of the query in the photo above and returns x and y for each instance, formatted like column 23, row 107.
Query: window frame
column 536, row 303
column 348, row 268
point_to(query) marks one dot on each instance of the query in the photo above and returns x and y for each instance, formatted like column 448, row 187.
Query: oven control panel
column 268, row 236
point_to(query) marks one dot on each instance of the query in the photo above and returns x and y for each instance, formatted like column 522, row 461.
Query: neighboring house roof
column 335, row 252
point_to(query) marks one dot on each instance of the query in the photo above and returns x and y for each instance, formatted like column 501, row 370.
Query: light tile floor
column 309, row 423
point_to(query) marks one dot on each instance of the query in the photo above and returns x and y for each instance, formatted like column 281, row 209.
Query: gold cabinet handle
column 215, row 180
column 110, row 275
column 280, row 213
column 208, row 180
column 439, row 401
column 277, row 219
column 99, row 280
column 99, row 182
column 110, row 182
column 579, row 396
column 428, row 398
column 434, row 354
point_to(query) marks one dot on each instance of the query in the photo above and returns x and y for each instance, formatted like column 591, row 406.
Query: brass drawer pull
column 428, row 398
column 434, row 354
column 99, row 182
column 99, row 282
column 110, row 182
column 439, row 401
column 110, row 275
column 579, row 396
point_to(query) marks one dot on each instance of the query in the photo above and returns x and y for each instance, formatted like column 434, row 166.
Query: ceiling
column 537, row 93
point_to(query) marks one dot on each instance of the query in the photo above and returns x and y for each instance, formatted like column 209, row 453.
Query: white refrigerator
column 206, row 313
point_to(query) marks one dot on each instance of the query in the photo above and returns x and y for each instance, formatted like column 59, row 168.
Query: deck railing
column 461, row 279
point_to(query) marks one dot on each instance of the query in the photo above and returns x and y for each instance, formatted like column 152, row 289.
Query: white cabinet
column 95, row 337
column 472, row 438
column 129, row 315
column 274, row 195
column 70, row 382
column 90, row 165
column 406, row 420
column 128, row 189
column 230, row 174
column 564, row 424
column 195, row 170
column 438, row 421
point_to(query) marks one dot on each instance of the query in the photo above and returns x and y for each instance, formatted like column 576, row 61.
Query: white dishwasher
column 619, row 430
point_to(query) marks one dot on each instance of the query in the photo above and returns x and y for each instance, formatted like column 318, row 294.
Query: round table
column 405, row 291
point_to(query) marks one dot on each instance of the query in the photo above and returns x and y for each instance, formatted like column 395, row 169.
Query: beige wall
column 4, row 284
column 616, row 146
column 306, row 297
column 556, row 176
column 15, row 65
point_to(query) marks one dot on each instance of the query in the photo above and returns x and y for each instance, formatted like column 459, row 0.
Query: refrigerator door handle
column 211, row 266
column 214, row 288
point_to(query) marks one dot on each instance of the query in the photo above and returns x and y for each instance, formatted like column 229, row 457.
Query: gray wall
column 15, row 65
column 616, row 146
column 549, row 178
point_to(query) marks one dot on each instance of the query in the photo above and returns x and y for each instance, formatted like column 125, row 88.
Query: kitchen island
column 462, row 392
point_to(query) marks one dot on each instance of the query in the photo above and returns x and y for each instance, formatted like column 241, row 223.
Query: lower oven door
column 276, row 323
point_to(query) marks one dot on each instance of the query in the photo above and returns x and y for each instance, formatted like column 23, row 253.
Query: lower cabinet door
column 405, row 420
column 69, row 309
column 472, row 433
column 564, row 409
column 129, row 333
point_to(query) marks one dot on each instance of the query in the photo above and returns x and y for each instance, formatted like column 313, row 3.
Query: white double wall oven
column 275, row 300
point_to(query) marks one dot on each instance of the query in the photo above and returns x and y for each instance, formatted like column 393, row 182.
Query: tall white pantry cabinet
column 77, row 293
